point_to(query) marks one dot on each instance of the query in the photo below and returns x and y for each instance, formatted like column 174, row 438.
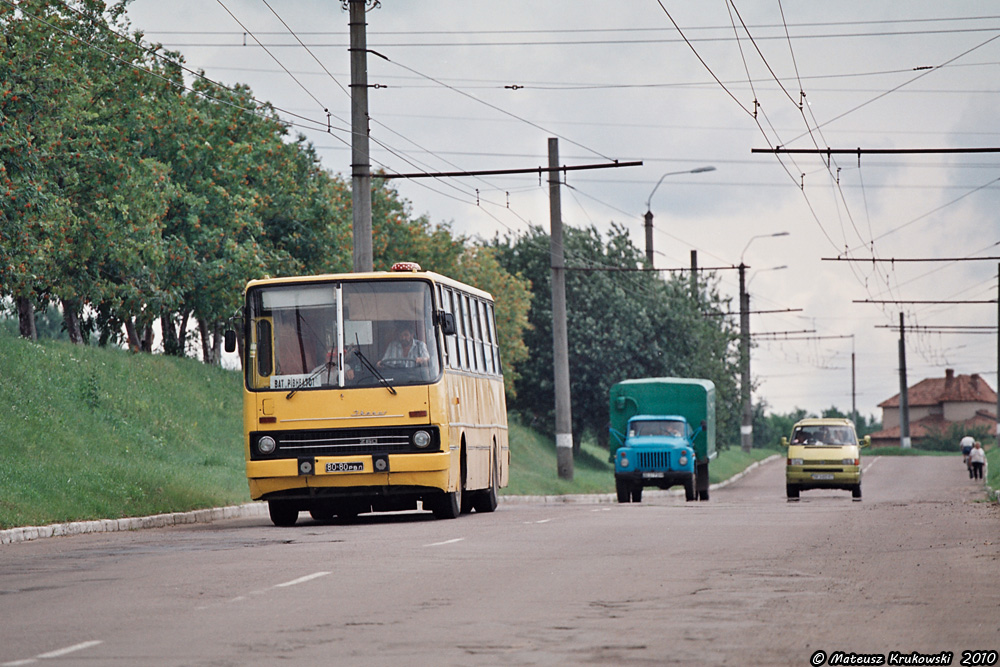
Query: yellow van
column 824, row 454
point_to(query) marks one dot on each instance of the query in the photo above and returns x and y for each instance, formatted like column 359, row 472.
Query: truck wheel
column 689, row 488
column 283, row 513
column 703, row 494
column 637, row 493
column 792, row 491
column 856, row 491
column 624, row 493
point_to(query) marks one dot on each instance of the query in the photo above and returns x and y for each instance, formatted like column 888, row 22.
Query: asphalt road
column 746, row 578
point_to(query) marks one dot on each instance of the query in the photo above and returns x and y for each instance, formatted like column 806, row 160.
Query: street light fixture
column 649, row 213
column 759, row 236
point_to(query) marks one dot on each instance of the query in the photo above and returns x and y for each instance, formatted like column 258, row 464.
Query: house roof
column 936, row 424
column 949, row 389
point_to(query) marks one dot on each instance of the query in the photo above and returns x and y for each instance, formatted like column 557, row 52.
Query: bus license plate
column 823, row 475
column 345, row 466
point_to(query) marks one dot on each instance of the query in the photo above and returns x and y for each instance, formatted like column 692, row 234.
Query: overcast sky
column 483, row 84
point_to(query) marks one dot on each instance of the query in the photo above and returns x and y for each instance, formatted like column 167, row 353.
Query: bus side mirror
column 784, row 441
column 230, row 340
column 447, row 322
column 867, row 441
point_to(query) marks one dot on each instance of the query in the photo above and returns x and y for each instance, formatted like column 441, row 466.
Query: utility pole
column 560, row 344
column 694, row 275
column 746, row 424
column 998, row 355
column 361, row 180
column 904, row 398
column 649, row 238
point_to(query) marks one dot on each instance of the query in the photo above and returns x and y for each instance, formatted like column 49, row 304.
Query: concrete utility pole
column 694, row 275
column 904, row 397
column 746, row 422
column 998, row 355
column 560, row 344
column 361, row 179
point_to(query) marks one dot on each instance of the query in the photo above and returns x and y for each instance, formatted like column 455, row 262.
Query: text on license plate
column 822, row 475
column 345, row 466
column 652, row 475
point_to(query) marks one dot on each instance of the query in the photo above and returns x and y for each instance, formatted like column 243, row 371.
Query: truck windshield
column 318, row 335
column 658, row 427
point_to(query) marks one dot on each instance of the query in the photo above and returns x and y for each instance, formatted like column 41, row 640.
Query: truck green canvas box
column 644, row 457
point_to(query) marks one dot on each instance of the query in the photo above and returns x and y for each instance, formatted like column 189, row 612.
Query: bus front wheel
column 282, row 513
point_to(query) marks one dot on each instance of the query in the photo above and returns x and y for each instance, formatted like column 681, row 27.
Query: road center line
column 302, row 580
column 438, row 544
column 58, row 653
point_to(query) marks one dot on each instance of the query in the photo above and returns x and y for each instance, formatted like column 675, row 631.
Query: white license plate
column 652, row 475
column 345, row 466
column 823, row 475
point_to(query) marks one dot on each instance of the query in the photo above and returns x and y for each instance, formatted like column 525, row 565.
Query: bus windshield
column 342, row 334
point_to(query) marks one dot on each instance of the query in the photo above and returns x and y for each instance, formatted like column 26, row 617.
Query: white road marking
column 58, row 653
column 868, row 467
column 437, row 544
column 302, row 580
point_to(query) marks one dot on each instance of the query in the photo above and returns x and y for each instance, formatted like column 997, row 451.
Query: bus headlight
column 266, row 445
column 421, row 439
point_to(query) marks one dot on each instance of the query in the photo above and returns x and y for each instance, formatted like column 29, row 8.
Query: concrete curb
column 259, row 509
column 28, row 533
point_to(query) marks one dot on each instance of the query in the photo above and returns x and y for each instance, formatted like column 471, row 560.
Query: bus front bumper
column 331, row 472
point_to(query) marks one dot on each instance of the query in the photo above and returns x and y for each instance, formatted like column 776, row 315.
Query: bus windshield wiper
column 308, row 380
column 371, row 367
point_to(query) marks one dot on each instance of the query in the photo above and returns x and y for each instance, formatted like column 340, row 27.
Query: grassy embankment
column 93, row 433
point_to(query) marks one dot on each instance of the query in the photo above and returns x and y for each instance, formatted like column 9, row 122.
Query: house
column 937, row 403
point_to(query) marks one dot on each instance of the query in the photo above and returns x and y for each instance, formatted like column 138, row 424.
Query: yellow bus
column 372, row 392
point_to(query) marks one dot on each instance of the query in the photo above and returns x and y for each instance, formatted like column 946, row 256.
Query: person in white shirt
column 965, row 444
column 977, row 459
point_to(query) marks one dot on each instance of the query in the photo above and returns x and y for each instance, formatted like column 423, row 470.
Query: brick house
column 937, row 403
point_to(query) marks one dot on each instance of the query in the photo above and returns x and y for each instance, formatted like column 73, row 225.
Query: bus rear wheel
column 486, row 501
column 283, row 513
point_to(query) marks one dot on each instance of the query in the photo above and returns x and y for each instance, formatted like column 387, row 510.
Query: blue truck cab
column 662, row 433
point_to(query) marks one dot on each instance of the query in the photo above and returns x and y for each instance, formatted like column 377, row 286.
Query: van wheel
column 283, row 513
column 624, row 492
column 856, row 491
column 792, row 491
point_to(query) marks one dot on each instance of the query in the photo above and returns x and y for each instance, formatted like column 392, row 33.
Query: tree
column 621, row 325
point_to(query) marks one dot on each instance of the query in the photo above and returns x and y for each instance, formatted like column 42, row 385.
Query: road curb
column 259, row 509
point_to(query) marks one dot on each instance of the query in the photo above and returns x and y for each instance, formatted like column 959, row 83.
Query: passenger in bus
column 405, row 347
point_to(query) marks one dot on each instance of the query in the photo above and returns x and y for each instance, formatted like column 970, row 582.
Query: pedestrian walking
column 977, row 459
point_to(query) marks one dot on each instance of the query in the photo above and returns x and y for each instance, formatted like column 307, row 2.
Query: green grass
column 94, row 433
column 911, row 451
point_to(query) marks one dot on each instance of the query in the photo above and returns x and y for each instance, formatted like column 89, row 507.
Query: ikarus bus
column 368, row 392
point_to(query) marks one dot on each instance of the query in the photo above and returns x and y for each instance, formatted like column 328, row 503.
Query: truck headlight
column 794, row 462
column 623, row 461
column 683, row 460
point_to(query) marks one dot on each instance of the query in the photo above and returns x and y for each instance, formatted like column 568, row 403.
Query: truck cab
column 658, row 451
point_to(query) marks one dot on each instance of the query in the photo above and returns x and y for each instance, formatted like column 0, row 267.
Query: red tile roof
column 949, row 389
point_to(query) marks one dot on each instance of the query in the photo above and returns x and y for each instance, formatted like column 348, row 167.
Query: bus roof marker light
column 405, row 266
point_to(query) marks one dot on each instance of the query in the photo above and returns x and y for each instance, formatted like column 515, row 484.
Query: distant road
column 744, row 579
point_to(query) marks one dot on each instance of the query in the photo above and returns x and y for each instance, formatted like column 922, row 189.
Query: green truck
column 662, row 434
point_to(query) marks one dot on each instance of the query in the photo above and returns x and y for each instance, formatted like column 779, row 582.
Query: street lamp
column 746, row 423
column 649, row 213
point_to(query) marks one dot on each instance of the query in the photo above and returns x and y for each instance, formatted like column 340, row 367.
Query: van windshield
column 824, row 435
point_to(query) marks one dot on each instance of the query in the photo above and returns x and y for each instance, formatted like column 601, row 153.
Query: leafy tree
column 621, row 325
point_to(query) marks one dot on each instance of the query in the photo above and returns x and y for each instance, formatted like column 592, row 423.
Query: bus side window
column 265, row 350
column 494, row 344
column 481, row 340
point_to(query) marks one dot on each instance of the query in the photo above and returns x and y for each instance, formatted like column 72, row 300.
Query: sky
column 482, row 85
